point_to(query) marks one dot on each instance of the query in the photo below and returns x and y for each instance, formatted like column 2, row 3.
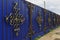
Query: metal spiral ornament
column 15, row 19
column 39, row 20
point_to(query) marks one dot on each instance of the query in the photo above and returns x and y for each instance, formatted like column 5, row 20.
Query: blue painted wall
column 7, row 33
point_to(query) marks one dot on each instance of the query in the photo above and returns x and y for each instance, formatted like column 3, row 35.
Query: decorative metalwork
column 58, row 20
column 30, row 32
column 54, row 19
column 45, row 27
column 15, row 19
column 49, row 19
column 39, row 20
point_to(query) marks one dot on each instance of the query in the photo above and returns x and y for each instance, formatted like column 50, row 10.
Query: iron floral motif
column 15, row 19
column 39, row 20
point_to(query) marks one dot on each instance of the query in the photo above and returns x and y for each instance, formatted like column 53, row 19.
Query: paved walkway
column 53, row 35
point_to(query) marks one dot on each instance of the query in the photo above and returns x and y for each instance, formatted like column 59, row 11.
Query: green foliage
column 38, row 38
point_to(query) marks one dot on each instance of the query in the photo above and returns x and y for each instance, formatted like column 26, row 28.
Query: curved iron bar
column 30, row 31
column 39, row 20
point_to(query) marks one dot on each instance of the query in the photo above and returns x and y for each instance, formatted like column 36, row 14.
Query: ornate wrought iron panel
column 21, row 20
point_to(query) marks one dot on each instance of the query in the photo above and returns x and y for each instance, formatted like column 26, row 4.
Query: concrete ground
column 53, row 35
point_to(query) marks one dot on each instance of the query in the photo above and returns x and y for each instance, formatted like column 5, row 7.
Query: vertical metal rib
column 7, row 22
column 2, row 19
column 49, row 20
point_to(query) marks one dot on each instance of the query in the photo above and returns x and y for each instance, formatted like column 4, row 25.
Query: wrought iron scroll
column 30, row 31
column 15, row 19
column 57, row 20
column 45, row 27
column 53, row 20
column 49, row 20
column 39, row 20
